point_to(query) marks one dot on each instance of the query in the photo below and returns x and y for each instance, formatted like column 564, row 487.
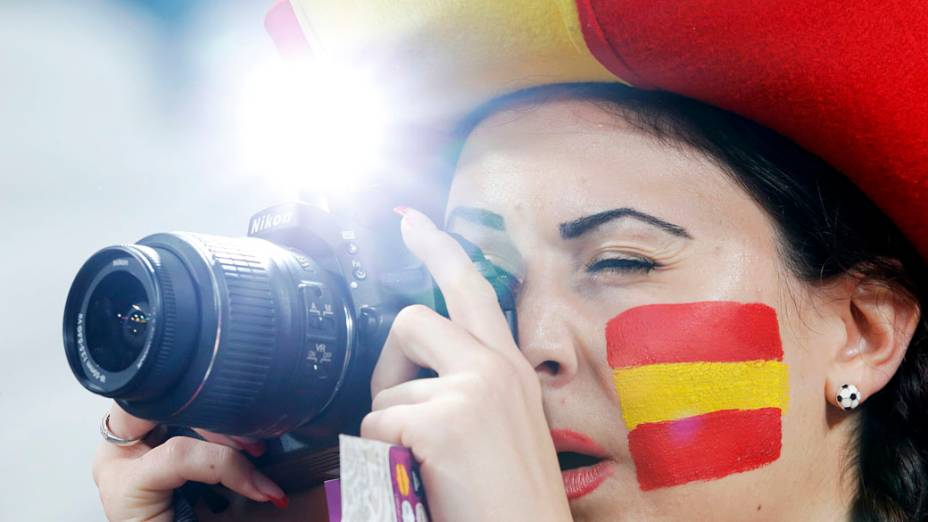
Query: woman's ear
column 879, row 322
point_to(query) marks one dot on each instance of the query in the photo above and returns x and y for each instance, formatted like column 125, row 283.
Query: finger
column 420, row 338
column 470, row 298
column 389, row 425
column 254, row 447
column 126, row 426
column 180, row 459
column 410, row 392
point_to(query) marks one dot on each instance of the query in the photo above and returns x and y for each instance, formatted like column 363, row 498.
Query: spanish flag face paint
column 702, row 387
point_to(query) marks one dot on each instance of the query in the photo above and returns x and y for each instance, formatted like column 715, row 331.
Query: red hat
column 847, row 82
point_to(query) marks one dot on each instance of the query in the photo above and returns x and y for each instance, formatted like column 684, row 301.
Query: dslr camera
column 274, row 335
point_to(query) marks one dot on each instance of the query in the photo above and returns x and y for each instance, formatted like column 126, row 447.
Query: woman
column 713, row 325
column 692, row 207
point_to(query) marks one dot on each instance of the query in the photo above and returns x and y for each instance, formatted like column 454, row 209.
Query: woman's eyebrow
column 580, row 226
column 479, row 216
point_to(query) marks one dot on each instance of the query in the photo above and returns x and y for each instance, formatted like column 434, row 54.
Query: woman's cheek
column 702, row 387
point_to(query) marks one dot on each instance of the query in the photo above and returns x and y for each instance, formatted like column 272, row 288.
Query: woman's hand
column 137, row 482
column 478, row 429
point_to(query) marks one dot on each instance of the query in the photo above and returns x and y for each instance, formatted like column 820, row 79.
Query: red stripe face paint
column 704, row 447
column 693, row 332
column 677, row 435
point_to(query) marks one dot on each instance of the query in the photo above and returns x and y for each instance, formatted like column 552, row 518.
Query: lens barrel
column 235, row 335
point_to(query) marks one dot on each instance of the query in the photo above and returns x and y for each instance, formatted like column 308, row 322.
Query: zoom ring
column 247, row 339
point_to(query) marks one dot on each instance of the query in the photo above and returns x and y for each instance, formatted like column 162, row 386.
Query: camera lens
column 118, row 319
column 130, row 321
column 235, row 335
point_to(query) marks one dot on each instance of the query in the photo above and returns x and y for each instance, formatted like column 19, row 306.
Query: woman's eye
column 622, row 264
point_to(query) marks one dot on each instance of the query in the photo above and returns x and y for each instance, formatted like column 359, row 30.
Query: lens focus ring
column 162, row 364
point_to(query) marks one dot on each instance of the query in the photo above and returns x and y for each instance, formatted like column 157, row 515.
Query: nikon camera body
column 273, row 336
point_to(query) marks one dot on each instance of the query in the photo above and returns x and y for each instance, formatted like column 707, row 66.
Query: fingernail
column 255, row 449
column 413, row 217
column 281, row 502
column 268, row 488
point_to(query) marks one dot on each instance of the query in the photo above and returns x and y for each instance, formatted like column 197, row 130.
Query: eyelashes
column 629, row 265
column 623, row 265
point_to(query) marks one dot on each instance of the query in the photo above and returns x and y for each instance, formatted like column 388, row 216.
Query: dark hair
column 827, row 228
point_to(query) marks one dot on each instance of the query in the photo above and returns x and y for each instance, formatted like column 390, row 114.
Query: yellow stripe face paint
column 661, row 392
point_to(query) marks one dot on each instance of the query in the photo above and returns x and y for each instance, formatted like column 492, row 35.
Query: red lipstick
column 584, row 479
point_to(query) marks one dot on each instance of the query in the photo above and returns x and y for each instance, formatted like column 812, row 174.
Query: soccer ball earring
column 848, row 397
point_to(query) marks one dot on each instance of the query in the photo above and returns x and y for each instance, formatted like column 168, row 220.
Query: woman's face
column 658, row 314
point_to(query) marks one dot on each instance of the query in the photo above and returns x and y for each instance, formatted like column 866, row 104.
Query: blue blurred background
column 118, row 118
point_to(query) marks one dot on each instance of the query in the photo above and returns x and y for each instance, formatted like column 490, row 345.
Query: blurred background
column 118, row 118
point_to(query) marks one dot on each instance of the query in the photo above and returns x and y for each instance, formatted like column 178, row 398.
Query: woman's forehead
column 567, row 157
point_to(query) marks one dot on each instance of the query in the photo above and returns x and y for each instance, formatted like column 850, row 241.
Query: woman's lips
column 585, row 479
column 581, row 481
column 569, row 440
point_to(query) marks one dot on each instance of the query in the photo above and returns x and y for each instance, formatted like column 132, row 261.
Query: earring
column 849, row 397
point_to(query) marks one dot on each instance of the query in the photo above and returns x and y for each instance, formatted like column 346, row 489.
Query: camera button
column 311, row 292
column 320, row 326
column 318, row 361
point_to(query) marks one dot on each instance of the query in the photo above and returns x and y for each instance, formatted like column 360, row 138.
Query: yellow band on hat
column 486, row 47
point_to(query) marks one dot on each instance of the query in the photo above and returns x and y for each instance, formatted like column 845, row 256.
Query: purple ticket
column 379, row 482
column 333, row 499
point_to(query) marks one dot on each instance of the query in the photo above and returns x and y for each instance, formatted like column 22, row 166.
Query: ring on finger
column 112, row 438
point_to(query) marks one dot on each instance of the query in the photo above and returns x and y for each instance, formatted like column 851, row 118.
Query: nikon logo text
column 262, row 223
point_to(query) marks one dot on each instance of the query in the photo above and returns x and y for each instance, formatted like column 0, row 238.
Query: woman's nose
column 546, row 336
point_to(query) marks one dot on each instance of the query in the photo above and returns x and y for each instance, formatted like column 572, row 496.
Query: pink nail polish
column 414, row 218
